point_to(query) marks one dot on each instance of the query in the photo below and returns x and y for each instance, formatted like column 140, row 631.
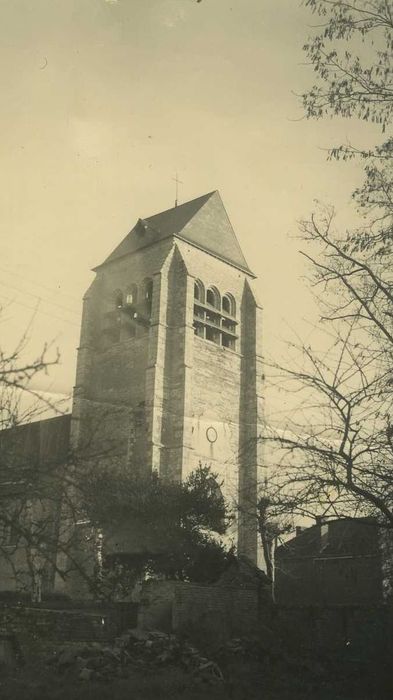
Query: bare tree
column 24, row 516
column 17, row 379
column 333, row 454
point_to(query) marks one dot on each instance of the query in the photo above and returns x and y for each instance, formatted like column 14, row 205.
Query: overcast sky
column 104, row 100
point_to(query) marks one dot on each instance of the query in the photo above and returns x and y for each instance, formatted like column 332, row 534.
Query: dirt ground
column 245, row 680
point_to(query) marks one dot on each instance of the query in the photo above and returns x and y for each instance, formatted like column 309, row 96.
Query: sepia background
column 103, row 101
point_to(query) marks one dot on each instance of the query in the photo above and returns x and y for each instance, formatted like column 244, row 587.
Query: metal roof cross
column 178, row 182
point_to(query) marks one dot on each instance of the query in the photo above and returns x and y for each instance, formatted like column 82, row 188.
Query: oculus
column 211, row 434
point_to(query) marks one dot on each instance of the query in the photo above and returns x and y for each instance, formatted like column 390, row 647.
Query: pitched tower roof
column 203, row 222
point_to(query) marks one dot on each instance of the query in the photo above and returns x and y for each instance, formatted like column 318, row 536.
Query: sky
column 103, row 101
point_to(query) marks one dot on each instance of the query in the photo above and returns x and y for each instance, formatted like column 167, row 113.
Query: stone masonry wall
column 35, row 627
column 113, row 375
column 180, row 384
column 226, row 393
column 215, row 612
column 216, row 373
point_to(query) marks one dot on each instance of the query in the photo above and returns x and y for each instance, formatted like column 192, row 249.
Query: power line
column 36, row 296
column 39, row 284
column 39, row 311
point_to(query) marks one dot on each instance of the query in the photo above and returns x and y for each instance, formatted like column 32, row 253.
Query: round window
column 211, row 434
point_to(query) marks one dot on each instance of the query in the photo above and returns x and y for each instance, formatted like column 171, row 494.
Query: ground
column 153, row 665
column 245, row 679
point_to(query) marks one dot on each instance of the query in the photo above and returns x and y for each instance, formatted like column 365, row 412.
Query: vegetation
column 25, row 521
column 178, row 524
column 335, row 453
column 52, row 514
column 352, row 58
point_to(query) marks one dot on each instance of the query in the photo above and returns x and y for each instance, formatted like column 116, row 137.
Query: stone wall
column 37, row 626
column 156, row 605
column 225, row 392
column 215, row 613
column 112, row 376
column 180, row 384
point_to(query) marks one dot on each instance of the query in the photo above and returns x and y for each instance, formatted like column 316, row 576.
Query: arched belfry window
column 199, row 291
column 199, row 311
column 215, row 320
column 111, row 319
column 147, row 294
column 228, row 336
column 213, row 297
column 132, row 295
column 118, row 298
column 228, row 305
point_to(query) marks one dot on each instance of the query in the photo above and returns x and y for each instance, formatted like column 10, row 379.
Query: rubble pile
column 135, row 650
column 247, row 647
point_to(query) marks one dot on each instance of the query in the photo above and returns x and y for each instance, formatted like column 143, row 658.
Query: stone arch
column 199, row 291
column 132, row 294
column 229, row 304
column 147, row 294
column 213, row 297
column 118, row 298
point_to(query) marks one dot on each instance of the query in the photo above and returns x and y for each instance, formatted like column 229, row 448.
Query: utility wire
column 36, row 296
column 38, row 284
column 38, row 310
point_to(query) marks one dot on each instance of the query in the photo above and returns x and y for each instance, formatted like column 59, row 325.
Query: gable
column 203, row 222
column 211, row 230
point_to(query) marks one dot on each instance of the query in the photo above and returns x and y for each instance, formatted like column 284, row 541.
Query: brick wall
column 216, row 613
column 219, row 613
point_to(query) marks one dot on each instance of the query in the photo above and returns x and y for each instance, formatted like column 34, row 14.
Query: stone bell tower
column 169, row 369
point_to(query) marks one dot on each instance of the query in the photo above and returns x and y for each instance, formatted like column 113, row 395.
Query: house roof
column 242, row 572
column 26, row 448
column 203, row 222
column 335, row 538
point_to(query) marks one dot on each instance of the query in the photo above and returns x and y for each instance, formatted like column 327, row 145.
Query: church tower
column 169, row 370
